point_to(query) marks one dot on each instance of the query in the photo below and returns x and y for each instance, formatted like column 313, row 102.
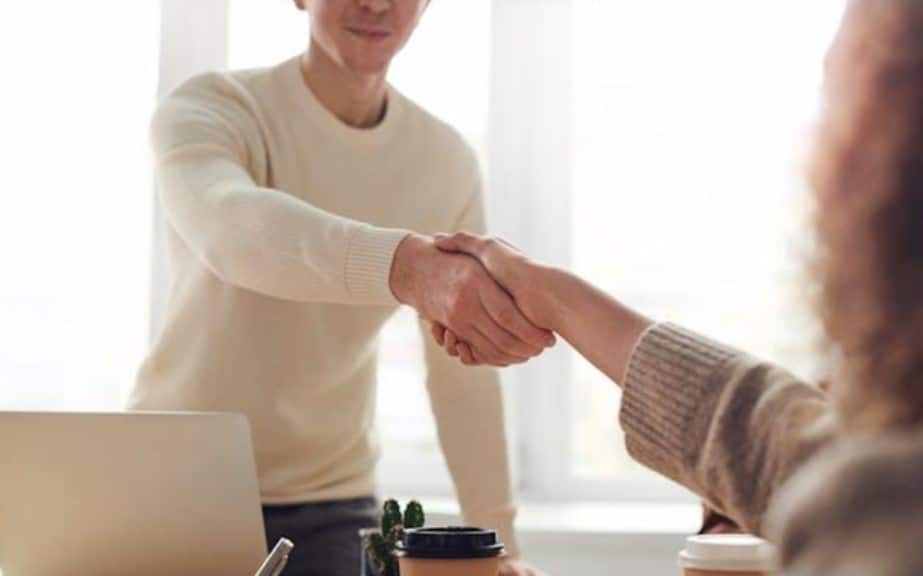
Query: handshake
column 486, row 301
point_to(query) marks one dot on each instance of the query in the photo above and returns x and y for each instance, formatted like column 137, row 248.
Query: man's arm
column 206, row 143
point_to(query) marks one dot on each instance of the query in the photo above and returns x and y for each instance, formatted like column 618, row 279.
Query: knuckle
column 530, row 351
column 467, row 280
column 506, row 316
column 472, row 270
column 485, row 356
column 536, row 339
column 456, row 308
column 507, row 342
column 453, row 315
column 468, row 286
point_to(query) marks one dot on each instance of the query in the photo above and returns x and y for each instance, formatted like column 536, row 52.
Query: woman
column 836, row 480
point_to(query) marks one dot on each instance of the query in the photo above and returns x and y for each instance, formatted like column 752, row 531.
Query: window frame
column 193, row 39
column 531, row 136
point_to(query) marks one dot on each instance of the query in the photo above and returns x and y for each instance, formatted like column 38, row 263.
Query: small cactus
column 390, row 516
column 395, row 535
column 379, row 550
column 413, row 515
column 380, row 546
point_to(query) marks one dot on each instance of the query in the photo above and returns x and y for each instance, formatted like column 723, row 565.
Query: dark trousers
column 325, row 534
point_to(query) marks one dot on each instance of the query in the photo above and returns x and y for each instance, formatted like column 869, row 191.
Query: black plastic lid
column 450, row 543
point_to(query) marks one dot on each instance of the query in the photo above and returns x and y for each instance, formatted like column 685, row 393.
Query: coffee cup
column 727, row 555
column 456, row 551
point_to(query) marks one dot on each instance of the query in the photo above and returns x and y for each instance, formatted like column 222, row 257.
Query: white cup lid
column 740, row 552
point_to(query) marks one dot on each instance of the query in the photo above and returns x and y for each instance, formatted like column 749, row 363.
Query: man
column 289, row 194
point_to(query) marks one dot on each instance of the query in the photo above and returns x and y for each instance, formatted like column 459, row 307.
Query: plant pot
column 368, row 565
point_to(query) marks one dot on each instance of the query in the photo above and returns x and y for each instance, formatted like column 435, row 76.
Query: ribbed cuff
column 669, row 395
column 368, row 264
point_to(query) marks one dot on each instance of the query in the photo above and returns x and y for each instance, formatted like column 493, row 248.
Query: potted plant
column 380, row 545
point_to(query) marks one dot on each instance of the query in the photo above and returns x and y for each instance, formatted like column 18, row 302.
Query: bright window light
column 76, row 210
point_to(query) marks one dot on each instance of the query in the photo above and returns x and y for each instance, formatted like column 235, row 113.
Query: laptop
column 128, row 494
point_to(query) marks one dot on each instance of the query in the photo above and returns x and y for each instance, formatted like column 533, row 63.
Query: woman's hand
column 524, row 280
column 455, row 290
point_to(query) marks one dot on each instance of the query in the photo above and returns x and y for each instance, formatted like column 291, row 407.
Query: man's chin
column 367, row 60
column 369, row 67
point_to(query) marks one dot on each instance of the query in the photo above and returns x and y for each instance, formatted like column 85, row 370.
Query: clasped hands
column 482, row 297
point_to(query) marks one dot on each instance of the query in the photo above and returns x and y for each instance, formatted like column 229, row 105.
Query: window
column 75, row 213
column 691, row 122
column 670, row 132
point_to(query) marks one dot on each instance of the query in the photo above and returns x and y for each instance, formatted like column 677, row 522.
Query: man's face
column 363, row 35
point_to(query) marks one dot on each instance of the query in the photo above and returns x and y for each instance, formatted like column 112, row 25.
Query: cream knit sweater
column 282, row 225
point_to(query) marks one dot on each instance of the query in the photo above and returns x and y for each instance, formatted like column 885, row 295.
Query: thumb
column 460, row 242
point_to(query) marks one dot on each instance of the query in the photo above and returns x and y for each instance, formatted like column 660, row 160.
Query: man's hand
column 522, row 278
column 598, row 326
column 454, row 290
column 525, row 280
column 513, row 567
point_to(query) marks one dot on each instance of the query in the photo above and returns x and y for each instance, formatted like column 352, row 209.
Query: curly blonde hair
column 867, row 173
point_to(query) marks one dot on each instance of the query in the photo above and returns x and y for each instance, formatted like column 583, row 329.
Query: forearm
column 598, row 326
column 725, row 425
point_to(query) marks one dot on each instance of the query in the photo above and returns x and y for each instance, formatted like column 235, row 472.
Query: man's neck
column 357, row 100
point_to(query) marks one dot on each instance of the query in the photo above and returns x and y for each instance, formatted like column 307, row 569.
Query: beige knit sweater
column 282, row 223
column 764, row 448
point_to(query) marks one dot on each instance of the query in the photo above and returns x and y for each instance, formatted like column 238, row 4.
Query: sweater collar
column 313, row 110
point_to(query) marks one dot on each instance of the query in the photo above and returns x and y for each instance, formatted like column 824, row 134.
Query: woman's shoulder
column 856, row 508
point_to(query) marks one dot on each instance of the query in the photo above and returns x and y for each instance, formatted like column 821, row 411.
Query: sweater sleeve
column 207, row 146
column 467, row 404
column 725, row 425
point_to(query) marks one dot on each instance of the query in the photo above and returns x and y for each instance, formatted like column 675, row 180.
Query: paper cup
column 727, row 555
column 450, row 552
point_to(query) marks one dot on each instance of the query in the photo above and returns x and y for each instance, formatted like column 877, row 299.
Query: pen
column 275, row 562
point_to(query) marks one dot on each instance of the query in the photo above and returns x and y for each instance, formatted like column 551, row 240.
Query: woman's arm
column 599, row 327
column 727, row 426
